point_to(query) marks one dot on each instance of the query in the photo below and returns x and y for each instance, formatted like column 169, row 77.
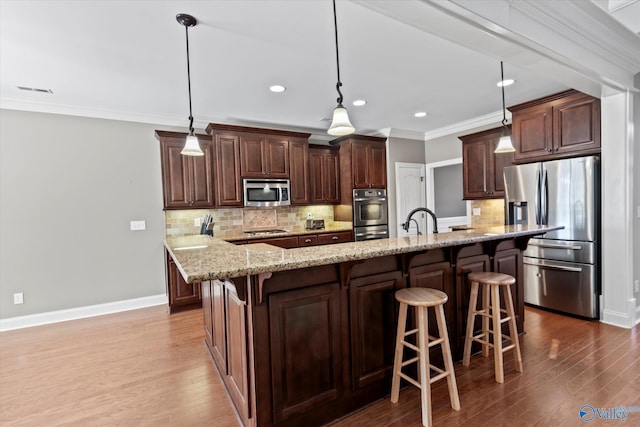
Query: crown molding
column 467, row 125
column 97, row 113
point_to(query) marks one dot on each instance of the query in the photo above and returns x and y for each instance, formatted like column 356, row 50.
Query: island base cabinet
column 308, row 346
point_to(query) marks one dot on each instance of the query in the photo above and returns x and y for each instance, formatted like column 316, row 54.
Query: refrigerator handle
column 545, row 200
column 537, row 200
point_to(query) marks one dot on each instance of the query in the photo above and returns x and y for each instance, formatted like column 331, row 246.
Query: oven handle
column 555, row 267
column 370, row 199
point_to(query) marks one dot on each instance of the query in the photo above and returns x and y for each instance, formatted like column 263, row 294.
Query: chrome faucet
column 406, row 224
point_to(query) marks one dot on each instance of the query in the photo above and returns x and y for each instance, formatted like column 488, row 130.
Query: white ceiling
column 127, row 60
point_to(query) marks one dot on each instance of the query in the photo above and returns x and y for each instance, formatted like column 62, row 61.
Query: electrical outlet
column 137, row 225
column 309, row 216
column 18, row 298
column 636, row 286
column 476, row 211
column 196, row 222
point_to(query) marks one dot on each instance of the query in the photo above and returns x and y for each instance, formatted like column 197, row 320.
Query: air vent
column 35, row 89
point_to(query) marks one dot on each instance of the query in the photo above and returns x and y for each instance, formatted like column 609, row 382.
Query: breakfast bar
column 305, row 336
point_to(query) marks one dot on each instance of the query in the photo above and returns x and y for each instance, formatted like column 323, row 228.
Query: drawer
column 309, row 240
column 330, row 238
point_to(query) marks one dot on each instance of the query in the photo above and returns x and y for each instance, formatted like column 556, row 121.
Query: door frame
column 444, row 222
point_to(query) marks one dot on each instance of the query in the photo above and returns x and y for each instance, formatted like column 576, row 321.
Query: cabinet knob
column 307, row 240
column 334, row 238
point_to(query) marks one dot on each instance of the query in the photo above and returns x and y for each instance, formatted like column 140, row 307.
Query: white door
column 410, row 194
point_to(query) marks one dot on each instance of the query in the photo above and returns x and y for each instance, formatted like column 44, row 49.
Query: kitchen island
column 304, row 336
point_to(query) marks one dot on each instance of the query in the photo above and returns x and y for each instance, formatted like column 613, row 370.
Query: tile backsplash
column 491, row 212
column 229, row 222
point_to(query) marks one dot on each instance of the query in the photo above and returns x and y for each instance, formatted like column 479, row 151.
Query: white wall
column 399, row 150
column 69, row 187
column 636, row 191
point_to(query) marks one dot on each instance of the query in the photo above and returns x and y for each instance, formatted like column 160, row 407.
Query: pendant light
column 504, row 144
column 191, row 145
column 340, row 125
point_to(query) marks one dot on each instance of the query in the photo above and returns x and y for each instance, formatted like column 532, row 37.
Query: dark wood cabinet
column 481, row 167
column 369, row 166
column 324, row 170
column 282, row 242
column 306, row 373
column 508, row 260
column 335, row 237
column 237, row 380
column 562, row 125
column 372, row 311
column 263, row 156
column 363, row 164
column 186, row 180
column 182, row 295
column 228, row 184
column 299, row 169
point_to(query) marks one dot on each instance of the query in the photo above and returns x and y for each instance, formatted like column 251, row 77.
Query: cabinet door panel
column 181, row 292
column 378, row 166
column 577, row 124
column 533, row 132
column 205, row 288
column 305, row 373
column 316, row 183
column 175, row 175
column 500, row 160
column 331, row 178
column 228, row 184
column 299, row 170
column 276, row 158
column 251, row 161
column 475, row 158
column 201, row 174
column 237, row 360
column 218, row 326
column 437, row 276
column 331, row 238
column 373, row 326
column 359, row 165
column 510, row 262
column 463, row 290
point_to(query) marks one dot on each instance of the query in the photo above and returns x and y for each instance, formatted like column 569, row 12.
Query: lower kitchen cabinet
column 182, row 295
column 308, row 346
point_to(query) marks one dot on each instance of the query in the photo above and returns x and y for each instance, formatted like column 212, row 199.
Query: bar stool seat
column 422, row 299
column 491, row 312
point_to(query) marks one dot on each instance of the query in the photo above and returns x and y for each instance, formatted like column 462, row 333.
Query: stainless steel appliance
column 561, row 270
column 266, row 192
column 370, row 214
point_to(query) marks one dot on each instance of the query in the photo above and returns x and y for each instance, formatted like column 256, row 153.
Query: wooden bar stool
column 491, row 312
column 421, row 299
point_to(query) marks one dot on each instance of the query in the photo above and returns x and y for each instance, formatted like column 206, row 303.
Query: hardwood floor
column 146, row 368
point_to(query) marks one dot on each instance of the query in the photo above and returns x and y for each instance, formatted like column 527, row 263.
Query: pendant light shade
column 505, row 145
column 191, row 145
column 340, row 125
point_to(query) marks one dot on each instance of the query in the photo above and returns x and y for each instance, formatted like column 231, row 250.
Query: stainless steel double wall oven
column 370, row 214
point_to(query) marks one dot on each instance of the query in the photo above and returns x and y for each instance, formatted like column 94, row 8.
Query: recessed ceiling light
column 420, row 114
column 359, row 102
column 277, row 88
column 505, row 82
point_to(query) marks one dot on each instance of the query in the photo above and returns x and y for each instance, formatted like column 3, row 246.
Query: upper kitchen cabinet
column 299, row 171
column 228, row 185
column 264, row 153
column 186, row 180
column 563, row 125
column 324, row 169
column 363, row 161
column 264, row 157
column 481, row 167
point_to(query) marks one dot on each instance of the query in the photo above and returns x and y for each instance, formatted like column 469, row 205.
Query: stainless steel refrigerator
column 561, row 270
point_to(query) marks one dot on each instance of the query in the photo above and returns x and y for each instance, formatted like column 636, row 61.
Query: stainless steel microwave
column 266, row 192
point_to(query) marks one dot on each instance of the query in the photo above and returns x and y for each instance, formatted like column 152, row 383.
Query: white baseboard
column 624, row 320
column 80, row 312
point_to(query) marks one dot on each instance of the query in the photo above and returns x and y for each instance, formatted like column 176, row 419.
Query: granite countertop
column 202, row 257
column 296, row 231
